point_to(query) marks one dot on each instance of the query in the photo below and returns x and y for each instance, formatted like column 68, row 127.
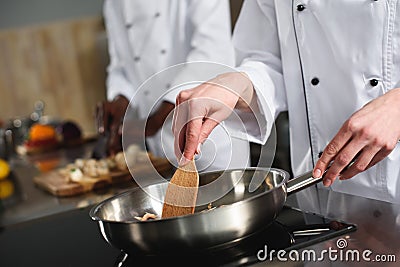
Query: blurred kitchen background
column 55, row 51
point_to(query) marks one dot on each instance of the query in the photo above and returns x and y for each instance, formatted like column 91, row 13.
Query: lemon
column 4, row 169
column 6, row 188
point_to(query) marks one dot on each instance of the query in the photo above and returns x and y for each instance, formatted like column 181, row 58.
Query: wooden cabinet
column 59, row 63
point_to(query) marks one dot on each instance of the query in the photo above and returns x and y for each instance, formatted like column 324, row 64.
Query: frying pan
column 238, row 214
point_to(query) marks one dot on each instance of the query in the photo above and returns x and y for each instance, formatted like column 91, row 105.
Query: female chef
column 147, row 36
column 335, row 66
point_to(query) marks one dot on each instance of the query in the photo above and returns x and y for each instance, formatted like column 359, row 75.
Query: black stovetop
column 73, row 239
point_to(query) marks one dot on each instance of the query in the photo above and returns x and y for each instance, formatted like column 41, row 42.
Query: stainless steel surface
column 378, row 226
column 303, row 181
column 238, row 214
column 306, row 180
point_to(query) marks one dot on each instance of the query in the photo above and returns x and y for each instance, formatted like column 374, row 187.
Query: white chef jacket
column 147, row 36
column 322, row 60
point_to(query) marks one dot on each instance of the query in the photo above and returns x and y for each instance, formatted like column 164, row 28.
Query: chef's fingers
column 193, row 129
column 181, row 105
column 174, row 116
column 179, row 128
column 179, row 120
column 108, row 115
column 208, row 125
column 331, row 151
column 361, row 163
column 179, row 143
column 114, row 142
column 196, row 113
column 213, row 118
column 383, row 153
column 343, row 159
column 100, row 117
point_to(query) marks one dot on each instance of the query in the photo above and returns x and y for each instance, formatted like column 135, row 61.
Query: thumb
column 206, row 129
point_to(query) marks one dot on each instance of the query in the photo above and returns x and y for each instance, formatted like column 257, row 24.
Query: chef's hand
column 109, row 116
column 374, row 131
column 199, row 110
column 152, row 125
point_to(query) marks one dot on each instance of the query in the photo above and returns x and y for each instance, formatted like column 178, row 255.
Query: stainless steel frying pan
column 237, row 214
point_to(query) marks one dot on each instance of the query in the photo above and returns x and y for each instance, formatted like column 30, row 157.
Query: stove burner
column 289, row 231
column 275, row 236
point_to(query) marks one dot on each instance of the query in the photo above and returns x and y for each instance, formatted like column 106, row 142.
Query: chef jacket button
column 136, row 59
column 129, row 25
column 163, row 51
column 373, row 82
column 157, row 15
column 315, row 81
column 146, row 93
column 168, row 85
column 301, row 7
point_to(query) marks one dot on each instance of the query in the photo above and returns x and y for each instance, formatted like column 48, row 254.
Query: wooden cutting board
column 56, row 184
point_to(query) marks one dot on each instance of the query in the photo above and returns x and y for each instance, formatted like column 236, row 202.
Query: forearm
column 156, row 120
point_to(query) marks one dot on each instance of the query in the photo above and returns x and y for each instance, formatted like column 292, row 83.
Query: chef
column 147, row 36
column 335, row 66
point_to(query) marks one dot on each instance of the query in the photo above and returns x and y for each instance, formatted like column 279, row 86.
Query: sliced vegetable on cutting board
column 180, row 198
column 85, row 175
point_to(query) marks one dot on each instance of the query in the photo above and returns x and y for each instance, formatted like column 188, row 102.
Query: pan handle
column 306, row 180
column 301, row 182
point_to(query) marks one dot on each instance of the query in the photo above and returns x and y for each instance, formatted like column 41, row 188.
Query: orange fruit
column 42, row 132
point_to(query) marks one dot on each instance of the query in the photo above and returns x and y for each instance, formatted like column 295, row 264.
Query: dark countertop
column 69, row 238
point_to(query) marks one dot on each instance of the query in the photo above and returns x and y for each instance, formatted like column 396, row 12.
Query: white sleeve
column 397, row 85
column 210, row 41
column 257, row 47
column 118, row 82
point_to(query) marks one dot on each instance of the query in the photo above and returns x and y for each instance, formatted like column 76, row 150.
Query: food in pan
column 150, row 216
column 146, row 217
column 210, row 206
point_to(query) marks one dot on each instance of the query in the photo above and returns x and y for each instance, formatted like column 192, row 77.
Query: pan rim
column 92, row 212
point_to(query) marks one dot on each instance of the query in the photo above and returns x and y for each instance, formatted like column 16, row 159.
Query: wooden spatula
column 181, row 195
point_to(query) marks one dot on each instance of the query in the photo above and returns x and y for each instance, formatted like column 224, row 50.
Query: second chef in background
column 147, row 36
